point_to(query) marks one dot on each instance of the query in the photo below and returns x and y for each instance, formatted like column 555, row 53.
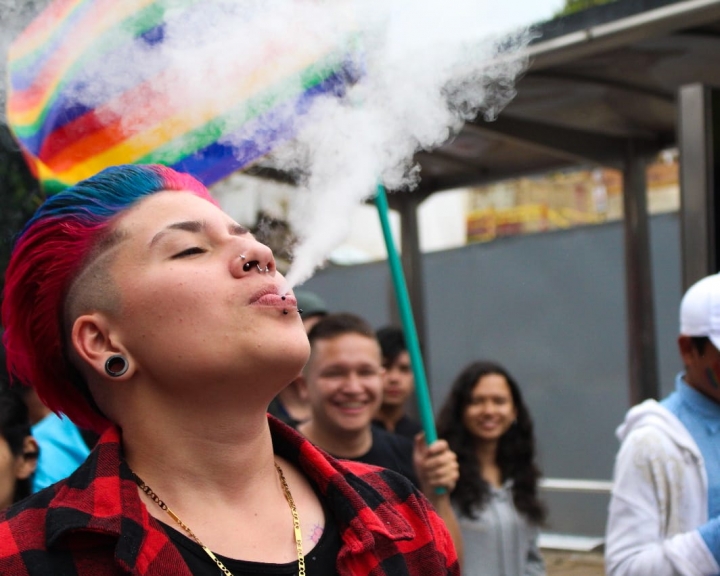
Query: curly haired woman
column 488, row 426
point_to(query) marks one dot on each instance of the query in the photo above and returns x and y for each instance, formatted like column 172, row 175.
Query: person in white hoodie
column 664, row 513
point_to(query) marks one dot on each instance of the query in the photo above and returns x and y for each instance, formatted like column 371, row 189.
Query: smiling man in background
column 344, row 382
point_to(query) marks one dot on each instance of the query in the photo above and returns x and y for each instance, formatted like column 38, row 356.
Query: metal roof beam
column 431, row 184
column 569, row 143
column 473, row 167
column 632, row 90
column 611, row 35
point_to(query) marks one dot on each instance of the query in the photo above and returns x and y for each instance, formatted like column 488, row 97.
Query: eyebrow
column 195, row 227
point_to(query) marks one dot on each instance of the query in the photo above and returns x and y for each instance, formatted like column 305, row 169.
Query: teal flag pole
column 422, row 393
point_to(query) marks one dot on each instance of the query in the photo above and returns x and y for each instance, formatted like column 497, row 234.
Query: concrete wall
column 551, row 308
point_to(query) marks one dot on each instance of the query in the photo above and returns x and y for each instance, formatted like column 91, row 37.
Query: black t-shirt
column 406, row 426
column 392, row 452
column 320, row 561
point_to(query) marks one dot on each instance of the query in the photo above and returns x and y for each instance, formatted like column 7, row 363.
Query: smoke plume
column 415, row 70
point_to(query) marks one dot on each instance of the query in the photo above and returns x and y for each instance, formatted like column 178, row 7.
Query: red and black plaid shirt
column 94, row 523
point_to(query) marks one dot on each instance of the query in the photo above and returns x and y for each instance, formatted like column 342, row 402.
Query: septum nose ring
column 249, row 266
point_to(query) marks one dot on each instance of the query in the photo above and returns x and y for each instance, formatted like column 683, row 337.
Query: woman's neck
column 213, row 450
column 219, row 476
column 486, row 453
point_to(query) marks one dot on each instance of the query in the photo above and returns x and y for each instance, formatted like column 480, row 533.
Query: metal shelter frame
column 611, row 86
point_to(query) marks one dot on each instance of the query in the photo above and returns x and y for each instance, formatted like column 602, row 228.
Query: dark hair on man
column 14, row 428
column 334, row 325
column 14, row 424
column 515, row 451
column 699, row 342
column 392, row 343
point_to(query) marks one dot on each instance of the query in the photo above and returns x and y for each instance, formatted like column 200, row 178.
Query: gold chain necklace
column 288, row 496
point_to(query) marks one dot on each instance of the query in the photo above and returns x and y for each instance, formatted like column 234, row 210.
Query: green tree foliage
column 20, row 195
column 572, row 6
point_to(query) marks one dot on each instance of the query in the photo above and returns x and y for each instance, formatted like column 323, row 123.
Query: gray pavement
column 573, row 563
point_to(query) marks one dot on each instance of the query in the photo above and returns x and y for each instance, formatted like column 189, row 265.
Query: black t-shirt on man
column 406, row 426
column 390, row 451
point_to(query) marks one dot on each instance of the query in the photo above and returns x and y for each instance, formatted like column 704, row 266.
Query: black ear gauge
column 299, row 310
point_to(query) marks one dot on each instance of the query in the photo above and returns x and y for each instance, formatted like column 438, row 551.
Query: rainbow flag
column 70, row 128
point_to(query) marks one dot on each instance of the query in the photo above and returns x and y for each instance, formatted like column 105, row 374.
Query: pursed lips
column 270, row 295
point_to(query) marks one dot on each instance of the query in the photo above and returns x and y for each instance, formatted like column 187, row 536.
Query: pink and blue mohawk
column 48, row 255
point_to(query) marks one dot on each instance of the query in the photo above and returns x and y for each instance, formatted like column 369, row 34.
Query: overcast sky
column 508, row 14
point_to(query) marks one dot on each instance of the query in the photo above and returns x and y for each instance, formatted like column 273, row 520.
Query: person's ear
column 27, row 461
column 95, row 344
column 302, row 387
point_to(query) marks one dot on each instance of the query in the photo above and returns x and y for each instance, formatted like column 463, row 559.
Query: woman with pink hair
column 138, row 308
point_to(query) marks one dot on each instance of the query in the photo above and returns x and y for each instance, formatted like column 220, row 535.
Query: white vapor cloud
column 424, row 67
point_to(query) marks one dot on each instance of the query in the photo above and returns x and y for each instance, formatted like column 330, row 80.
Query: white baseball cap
column 700, row 310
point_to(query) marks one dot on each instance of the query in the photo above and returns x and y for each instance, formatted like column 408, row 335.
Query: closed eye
column 188, row 252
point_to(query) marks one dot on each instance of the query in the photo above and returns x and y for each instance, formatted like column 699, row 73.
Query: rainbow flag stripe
column 134, row 118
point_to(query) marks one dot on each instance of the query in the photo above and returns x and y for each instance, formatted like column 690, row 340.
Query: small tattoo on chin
column 316, row 533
